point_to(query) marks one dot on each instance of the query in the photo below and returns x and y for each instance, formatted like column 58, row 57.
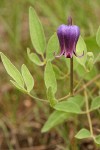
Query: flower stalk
column 71, row 76
column 68, row 36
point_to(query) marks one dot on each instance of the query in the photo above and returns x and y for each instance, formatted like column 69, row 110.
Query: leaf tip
column 30, row 8
column 43, row 130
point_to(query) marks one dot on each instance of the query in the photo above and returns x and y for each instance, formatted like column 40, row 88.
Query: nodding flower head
column 68, row 36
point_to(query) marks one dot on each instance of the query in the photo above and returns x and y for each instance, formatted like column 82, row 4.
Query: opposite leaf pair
column 19, row 80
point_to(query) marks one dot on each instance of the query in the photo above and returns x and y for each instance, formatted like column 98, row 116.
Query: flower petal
column 71, row 37
column 77, row 30
column 60, row 32
column 79, row 55
column 59, row 54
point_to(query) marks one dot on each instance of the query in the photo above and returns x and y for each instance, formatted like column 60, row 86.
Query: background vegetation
column 21, row 118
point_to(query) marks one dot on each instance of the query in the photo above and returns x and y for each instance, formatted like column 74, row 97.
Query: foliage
column 44, row 57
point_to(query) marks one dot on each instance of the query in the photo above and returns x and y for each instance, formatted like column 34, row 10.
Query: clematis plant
column 70, row 42
column 68, row 36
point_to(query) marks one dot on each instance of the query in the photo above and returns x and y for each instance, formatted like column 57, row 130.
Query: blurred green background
column 21, row 117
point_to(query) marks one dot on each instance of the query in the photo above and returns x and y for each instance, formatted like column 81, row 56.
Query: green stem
column 96, row 58
column 80, row 82
column 88, row 114
column 82, row 88
column 71, row 76
column 39, row 99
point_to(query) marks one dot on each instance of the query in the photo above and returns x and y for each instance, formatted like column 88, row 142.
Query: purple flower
column 68, row 36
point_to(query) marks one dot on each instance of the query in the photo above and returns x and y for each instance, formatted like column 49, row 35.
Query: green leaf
column 97, row 139
column 92, row 45
column 83, row 133
column 57, row 117
column 78, row 100
column 90, row 55
column 80, row 47
column 58, row 73
column 51, row 97
column 67, row 106
column 86, row 75
column 90, row 61
column 95, row 103
column 12, row 70
column 36, row 32
column 34, row 58
column 52, row 47
column 29, row 81
column 98, row 36
column 17, row 86
column 49, row 77
column 90, row 64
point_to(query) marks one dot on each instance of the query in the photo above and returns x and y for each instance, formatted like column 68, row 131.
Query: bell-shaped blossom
column 68, row 36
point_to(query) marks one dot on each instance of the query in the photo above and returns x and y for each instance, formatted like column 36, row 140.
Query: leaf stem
column 43, row 57
column 89, row 83
column 39, row 99
column 88, row 114
column 81, row 89
column 67, row 96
